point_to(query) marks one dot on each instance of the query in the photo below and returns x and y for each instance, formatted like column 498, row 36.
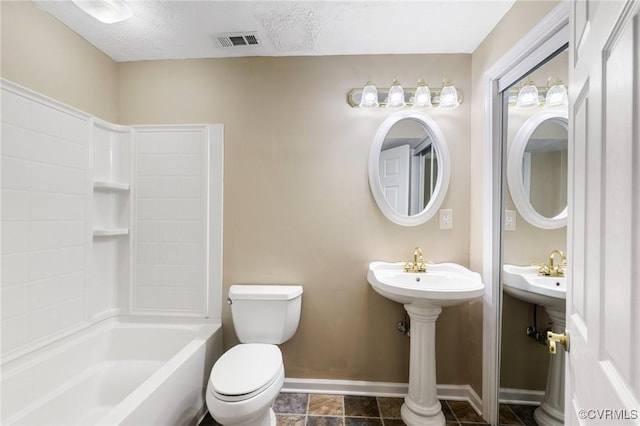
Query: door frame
column 550, row 34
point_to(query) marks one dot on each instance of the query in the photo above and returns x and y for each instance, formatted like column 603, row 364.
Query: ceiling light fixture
column 423, row 96
column 106, row 11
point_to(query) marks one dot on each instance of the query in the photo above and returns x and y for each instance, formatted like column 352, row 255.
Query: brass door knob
column 553, row 338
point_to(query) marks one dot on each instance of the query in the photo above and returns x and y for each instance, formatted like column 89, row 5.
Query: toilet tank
column 265, row 313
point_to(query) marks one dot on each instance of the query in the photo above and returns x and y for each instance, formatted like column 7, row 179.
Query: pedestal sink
column 524, row 283
column 423, row 295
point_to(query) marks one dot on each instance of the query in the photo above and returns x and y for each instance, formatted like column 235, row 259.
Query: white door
column 394, row 176
column 603, row 299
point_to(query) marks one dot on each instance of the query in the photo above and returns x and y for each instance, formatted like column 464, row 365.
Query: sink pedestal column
column 421, row 406
column 551, row 411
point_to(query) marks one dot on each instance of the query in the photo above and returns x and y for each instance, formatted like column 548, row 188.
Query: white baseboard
column 345, row 387
column 520, row 396
column 384, row 389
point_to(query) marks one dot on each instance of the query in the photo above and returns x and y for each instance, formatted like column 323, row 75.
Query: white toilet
column 247, row 378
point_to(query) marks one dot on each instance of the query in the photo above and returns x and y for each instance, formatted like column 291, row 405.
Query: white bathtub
column 120, row 371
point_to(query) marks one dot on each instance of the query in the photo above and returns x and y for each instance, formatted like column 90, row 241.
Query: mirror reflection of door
column 524, row 362
column 394, row 176
column 408, row 167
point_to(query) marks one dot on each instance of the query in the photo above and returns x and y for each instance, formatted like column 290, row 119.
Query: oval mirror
column 537, row 170
column 409, row 168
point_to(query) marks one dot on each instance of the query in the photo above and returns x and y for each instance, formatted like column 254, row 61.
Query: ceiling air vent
column 248, row 38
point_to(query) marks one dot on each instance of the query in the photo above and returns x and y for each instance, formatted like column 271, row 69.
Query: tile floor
column 301, row 409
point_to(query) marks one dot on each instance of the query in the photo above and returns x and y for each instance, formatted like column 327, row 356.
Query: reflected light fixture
column 448, row 96
column 369, row 98
column 395, row 98
column 106, row 11
column 422, row 97
column 528, row 95
column 556, row 95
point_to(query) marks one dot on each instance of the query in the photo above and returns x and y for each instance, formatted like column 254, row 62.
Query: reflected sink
column 524, row 283
column 444, row 284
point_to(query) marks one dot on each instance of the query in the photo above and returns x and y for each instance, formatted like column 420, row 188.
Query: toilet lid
column 246, row 368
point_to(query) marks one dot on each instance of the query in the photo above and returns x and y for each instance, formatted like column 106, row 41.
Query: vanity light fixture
column 106, row 11
column 423, row 96
column 395, row 99
column 448, row 96
column 528, row 95
column 556, row 95
column 369, row 98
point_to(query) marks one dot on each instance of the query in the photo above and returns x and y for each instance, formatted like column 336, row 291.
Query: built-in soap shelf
column 110, row 232
column 100, row 185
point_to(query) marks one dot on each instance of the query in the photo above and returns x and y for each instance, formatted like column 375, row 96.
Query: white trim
column 520, row 55
column 521, row 396
column 383, row 389
column 345, row 387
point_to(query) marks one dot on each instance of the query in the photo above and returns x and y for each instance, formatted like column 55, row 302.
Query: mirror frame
column 514, row 170
column 444, row 169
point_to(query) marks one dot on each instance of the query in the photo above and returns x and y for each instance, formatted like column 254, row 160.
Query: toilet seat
column 245, row 371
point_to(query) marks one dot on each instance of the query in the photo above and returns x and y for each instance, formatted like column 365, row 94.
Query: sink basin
column 424, row 294
column 444, row 284
column 524, row 283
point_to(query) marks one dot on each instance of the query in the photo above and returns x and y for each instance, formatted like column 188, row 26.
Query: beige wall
column 42, row 54
column 297, row 206
column 523, row 16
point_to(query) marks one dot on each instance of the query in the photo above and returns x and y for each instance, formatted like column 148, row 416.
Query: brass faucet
column 551, row 270
column 418, row 264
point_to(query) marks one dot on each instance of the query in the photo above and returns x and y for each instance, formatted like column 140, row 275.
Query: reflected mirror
column 409, row 168
column 537, row 169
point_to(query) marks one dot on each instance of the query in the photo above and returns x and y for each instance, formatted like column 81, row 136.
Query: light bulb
column 369, row 97
column 528, row 96
column 395, row 99
column 556, row 96
column 422, row 97
column 449, row 96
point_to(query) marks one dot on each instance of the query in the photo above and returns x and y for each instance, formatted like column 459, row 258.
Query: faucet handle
column 544, row 269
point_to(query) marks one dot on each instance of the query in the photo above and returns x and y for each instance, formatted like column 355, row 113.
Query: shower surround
column 102, row 221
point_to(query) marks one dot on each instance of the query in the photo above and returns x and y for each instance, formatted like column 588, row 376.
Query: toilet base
column 268, row 418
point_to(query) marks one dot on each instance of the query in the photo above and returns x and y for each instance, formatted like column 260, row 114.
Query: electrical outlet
column 446, row 219
column 509, row 220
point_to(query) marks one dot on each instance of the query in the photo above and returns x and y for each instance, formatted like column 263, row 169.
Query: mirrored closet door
column 534, row 241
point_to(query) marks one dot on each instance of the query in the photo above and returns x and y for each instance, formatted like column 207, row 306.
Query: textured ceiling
column 182, row 29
